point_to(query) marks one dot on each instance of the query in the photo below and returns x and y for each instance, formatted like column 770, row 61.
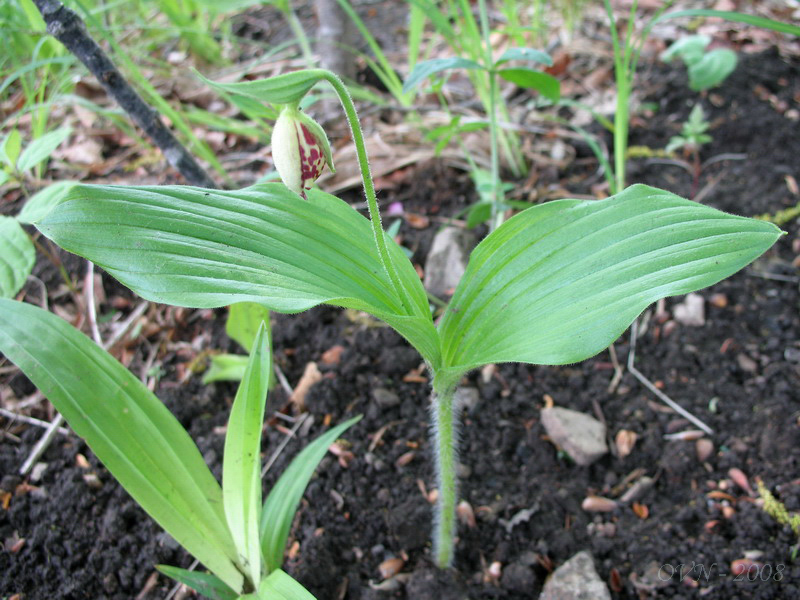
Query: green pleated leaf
column 281, row 89
column 208, row 585
column 690, row 48
column 127, row 427
column 561, row 281
column 241, row 465
column 529, row 54
column 283, row 499
column 544, row 83
column 280, row 586
column 43, row 201
column 711, row 69
column 41, row 148
column 10, row 148
column 208, row 248
column 17, row 256
column 426, row 68
column 244, row 321
column 226, row 367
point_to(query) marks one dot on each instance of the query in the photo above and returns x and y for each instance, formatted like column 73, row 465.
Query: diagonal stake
column 649, row 384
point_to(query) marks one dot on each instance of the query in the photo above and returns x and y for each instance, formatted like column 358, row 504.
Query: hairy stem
column 445, row 427
column 369, row 186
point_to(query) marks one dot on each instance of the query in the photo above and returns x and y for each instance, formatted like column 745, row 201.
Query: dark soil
column 740, row 373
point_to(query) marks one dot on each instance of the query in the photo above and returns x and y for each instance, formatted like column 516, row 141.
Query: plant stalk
column 300, row 35
column 497, row 215
column 369, row 186
column 443, row 418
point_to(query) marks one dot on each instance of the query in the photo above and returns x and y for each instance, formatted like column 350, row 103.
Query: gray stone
column 385, row 398
column 576, row 579
column 467, row 398
column 447, row 260
column 692, row 311
column 581, row 436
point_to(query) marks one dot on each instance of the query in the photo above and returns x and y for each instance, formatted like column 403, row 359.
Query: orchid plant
column 555, row 284
column 144, row 446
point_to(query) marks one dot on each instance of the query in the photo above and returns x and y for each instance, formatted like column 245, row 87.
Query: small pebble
column 704, row 448
column 598, row 504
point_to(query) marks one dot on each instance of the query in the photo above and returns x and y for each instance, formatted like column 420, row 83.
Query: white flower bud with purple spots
column 300, row 149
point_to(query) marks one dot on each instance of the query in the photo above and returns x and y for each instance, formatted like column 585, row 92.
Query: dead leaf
column 311, row 376
column 333, row 355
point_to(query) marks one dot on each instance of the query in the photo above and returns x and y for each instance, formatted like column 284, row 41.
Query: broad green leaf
column 210, row 586
column 711, row 69
column 17, row 256
column 426, row 68
column 127, row 427
column 43, row 201
column 4, row 176
column 241, row 465
column 560, row 281
column 690, row 48
column 547, row 85
column 11, row 147
column 736, row 17
column 41, row 148
column 282, row 501
column 244, row 321
column 226, row 367
column 208, row 248
column 524, row 54
column 281, row 89
column 280, row 586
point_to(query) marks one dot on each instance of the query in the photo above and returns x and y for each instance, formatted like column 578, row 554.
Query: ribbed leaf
column 127, row 427
column 207, row 248
column 736, row 17
column 544, row 83
column 712, row 69
column 226, row 367
column 210, row 586
column 244, row 321
column 529, row 54
column 282, row 501
column 43, row 201
column 561, row 281
column 17, row 256
column 41, row 148
column 281, row 89
column 280, row 586
column 241, row 465
column 426, row 68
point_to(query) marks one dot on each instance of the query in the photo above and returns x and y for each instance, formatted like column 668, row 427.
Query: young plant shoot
column 555, row 284
column 144, row 446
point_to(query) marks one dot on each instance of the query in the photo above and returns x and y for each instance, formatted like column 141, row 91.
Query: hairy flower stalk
column 300, row 149
column 444, row 421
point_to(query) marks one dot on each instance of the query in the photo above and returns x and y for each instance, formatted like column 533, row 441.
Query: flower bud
column 300, row 149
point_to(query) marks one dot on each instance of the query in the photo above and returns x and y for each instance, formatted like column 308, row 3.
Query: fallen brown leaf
column 311, row 376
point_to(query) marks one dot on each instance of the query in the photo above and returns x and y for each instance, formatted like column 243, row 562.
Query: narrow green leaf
column 281, row 89
column 282, row 501
column 207, row 248
column 280, row 586
column 711, row 69
column 426, row 68
column 244, row 321
column 41, row 148
column 43, row 201
column 226, row 367
column 560, row 281
column 210, row 586
column 544, row 83
column 17, row 256
column 241, row 465
column 127, row 427
column 736, row 17
column 524, row 54
column 4, row 176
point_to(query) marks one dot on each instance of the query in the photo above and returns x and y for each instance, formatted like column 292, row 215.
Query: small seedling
column 243, row 322
column 693, row 136
column 706, row 69
column 144, row 446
